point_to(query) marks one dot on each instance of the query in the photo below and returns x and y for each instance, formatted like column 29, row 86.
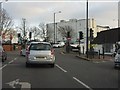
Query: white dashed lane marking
column 60, row 68
column 82, row 83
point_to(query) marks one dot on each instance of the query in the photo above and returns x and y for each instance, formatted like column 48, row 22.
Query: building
column 101, row 28
column 104, row 40
column 119, row 14
column 77, row 26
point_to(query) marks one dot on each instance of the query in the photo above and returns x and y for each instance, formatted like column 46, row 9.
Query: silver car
column 117, row 59
column 40, row 53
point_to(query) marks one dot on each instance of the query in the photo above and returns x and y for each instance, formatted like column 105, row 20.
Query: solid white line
column 82, row 83
column 11, row 61
column 7, row 64
column 15, row 58
column 60, row 68
column 3, row 66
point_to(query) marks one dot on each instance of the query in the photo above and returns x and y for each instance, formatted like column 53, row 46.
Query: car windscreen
column 40, row 46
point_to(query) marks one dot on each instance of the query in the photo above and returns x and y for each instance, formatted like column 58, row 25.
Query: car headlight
column 34, row 57
column 50, row 57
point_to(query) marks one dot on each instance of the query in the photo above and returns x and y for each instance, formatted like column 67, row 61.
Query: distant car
column 3, row 54
column 56, row 45
column 40, row 53
column 74, row 46
column 59, row 44
column 62, row 44
column 117, row 59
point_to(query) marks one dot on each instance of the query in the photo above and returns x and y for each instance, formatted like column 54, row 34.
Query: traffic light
column 68, row 34
column 19, row 35
column 19, row 38
column 30, row 35
column 91, row 34
column 80, row 35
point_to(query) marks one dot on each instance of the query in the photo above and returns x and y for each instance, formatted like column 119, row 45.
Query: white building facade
column 119, row 14
column 77, row 26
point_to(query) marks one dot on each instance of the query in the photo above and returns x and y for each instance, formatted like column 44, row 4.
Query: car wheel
column 52, row 65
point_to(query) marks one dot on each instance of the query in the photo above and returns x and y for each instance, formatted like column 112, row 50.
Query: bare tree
column 36, row 31
column 63, row 30
column 49, row 33
column 23, row 28
column 42, row 28
column 6, row 23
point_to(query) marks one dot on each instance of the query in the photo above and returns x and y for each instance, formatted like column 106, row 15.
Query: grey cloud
column 36, row 12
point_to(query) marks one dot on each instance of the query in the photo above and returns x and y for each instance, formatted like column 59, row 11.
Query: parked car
column 40, row 53
column 3, row 54
column 74, row 46
column 61, row 44
column 117, row 59
column 58, row 44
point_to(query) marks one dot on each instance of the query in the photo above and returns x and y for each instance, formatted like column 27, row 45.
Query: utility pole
column 87, row 29
column 0, row 23
column 24, row 31
column 54, row 27
column 54, row 24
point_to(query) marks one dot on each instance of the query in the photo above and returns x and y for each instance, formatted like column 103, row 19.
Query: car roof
column 40, row 42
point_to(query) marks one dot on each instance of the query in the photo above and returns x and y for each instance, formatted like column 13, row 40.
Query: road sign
column 68, row 38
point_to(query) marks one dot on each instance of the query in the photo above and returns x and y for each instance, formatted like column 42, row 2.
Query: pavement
column 90, row 58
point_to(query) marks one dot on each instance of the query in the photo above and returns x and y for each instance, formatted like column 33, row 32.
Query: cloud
column 36, row 12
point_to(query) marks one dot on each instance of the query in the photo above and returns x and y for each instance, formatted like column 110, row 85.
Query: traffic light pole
column 68, row 42
column 80, row 37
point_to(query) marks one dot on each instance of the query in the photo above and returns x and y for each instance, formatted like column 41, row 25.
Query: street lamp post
column 87, row 29
column 54, row 23
column 0, row 22
column 56, row 31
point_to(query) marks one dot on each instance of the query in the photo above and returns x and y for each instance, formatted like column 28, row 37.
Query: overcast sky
column 38, row 11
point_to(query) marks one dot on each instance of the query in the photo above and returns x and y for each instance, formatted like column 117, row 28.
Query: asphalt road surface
column 69, row 72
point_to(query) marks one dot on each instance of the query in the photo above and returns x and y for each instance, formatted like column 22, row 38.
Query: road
column 69, row 72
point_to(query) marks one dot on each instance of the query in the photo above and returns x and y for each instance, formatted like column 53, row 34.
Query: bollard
column 103, row 52
column 99, row 54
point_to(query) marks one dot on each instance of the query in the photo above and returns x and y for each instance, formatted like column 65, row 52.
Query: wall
column 10, row 47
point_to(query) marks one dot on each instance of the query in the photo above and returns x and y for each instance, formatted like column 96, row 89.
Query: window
column 40, row 46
